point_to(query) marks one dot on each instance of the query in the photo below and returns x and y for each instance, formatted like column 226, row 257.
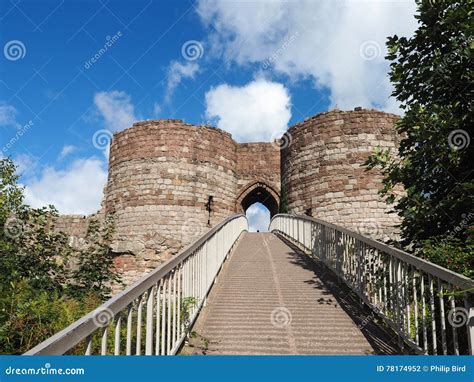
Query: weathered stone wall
column 72, row 225
column 75, row 226
column 257, row 164
column 322, row 169
column 161, row 174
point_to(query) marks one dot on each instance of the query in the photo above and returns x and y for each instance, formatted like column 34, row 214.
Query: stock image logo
column 281, row 140
column 369, row 228
column 192, row 50
column 370, row 50
column 281, row 317
column 102, row 317
column 101, row 139
column 459, row 139
column 13, row 228
column 14, row 50
column 458, row 317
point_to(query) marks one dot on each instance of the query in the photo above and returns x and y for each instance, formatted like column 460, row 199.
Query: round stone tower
column 168, row 182
column 322, row 169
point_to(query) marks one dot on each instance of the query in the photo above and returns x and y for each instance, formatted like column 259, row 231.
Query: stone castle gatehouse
column 169, row 181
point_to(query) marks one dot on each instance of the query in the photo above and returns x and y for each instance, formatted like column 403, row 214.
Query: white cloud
column 117, row 109
column 67, row 150
column 317, row 40
column 258, row 111
column 25, row 164
column 156, row 109
column 8, row 115
column 78, row 189
column 176, row 73
column 258, row 217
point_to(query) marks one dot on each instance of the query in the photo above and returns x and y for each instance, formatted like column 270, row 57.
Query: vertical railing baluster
column 380, row 280
column 117, row 335
column 407, row 298
column 397, row 291
column 442, row 317
column 423, row 314
column 180, row 281
column 158, row 317
column 433, row 317
column 469, row 322
column 415, row 307
column 453, row 327
column 88, row 345
column 385, row 295
column 168, row 319
column 390, row 288
column 103, row 348
column 149, row 322
column 128, row 349
column 138, row 344
column 163, row 316
column 175, row 297
column 192, row 276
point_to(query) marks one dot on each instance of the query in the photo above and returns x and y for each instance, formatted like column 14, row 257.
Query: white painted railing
column 153, row 315
column 428, row 306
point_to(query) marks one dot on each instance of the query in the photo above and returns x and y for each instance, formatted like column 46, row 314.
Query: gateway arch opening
column 260, row 203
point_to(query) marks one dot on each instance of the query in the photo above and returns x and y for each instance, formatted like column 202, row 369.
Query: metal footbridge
column 305, row 287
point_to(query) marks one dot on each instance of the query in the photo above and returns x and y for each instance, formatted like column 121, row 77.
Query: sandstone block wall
column 161, row 174
column 322, row 169
column 258, row 166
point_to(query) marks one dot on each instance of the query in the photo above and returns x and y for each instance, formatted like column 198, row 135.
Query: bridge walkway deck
column 271, row 298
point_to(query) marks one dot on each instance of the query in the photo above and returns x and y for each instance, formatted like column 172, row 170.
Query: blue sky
column 78, row 69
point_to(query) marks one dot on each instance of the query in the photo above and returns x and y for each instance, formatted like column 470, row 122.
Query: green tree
column 29, row 246
column 433, row 80
column 96, row 271
column 45, row 284
column 283, row 200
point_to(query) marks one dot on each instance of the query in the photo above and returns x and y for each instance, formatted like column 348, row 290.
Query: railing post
column 469, row 306
column 149, row 323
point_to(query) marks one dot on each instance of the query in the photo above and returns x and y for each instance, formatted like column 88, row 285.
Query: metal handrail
column 172, row 296
column 415, row 297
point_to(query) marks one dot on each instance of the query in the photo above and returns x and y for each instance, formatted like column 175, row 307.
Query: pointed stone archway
column 258, row 192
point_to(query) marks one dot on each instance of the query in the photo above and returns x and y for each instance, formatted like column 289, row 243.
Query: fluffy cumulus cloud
column 339, row 45
column 258, row 111
column 258, row 217
column 176, row 73
column 77, row 189
column 67, row 150
column 8, row 115
column 116, row 108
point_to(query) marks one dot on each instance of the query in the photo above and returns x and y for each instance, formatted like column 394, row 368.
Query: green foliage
column 45, row 284
column 433, row 81
column 283, row 201
column 187, row 304
column 29, row 315
column 95, row 270
column 454, row 254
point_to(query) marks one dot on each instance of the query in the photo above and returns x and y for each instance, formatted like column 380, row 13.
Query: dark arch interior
column 260, row 195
